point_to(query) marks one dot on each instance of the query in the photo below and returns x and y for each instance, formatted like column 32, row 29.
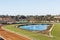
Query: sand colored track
column 11, row 36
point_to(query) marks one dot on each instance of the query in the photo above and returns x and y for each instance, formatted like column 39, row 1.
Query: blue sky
column 29, row 7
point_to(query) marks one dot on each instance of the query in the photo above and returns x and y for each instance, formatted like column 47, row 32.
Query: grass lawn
column 36, row 36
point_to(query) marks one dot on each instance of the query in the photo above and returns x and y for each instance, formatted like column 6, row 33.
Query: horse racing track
column 11, row 36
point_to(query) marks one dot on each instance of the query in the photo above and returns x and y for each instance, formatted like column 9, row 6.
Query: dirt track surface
column 11, row 36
